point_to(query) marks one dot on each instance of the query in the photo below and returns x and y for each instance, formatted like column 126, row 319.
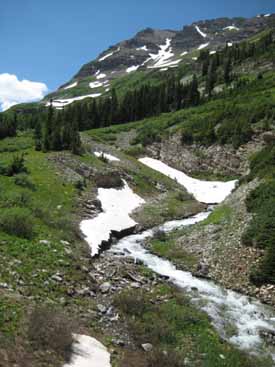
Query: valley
column 137, row 206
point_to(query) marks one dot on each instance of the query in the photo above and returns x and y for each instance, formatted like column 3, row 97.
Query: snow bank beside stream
column 208, row 192
column 117, row 205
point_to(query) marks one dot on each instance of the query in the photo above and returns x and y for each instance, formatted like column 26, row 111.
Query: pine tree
column 48, row 128
column 211, row 78
column 56, row 141
column 114, row 107
column 193, row 92
column 227, row 70
column 38, row 135
column 75, row 143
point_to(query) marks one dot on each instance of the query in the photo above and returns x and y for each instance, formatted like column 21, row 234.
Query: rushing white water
column 227, row 309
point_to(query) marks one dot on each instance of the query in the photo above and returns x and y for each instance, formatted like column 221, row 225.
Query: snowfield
column 209, row 192
column 161, row 58
column 143, row 48
column 71, row 85
column 88, row 352
column 117, row 205
column 203, row 46
column 101, row 76
column 132, row 68
column 93, row 85
column 110, row 157
column 231, row 28
column 204, row 35
column 60, row 103
column 106, row 56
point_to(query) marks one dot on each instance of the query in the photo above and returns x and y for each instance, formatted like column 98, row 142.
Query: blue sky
column 48, row 41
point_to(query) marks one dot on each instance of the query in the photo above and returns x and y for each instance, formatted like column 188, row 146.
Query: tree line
column 59, row 130
column 8, row 125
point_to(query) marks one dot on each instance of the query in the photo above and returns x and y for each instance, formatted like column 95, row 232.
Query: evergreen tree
column 38, row 136
column 227, row 70
column 193, row 92
column 114, row 107
column 211, row 78
column 75, row 144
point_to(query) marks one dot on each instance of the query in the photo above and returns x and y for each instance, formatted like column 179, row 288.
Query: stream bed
column 228, row 310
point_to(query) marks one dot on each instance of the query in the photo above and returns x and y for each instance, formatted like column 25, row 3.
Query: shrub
column 80, row 185
column 147, row 135
column 24, row 181
column 261, row 231
column 160, row 235
column 135, row 151
column 17, row 165
column 49, row 329
column 17, row 221
column 109, row 180
column 170, row 358
column 131, row 303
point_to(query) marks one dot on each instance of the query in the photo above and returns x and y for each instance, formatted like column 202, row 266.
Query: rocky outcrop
column 217, row 32
column 216, row 159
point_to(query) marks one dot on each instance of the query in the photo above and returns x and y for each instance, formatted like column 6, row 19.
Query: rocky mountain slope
column 153, row 50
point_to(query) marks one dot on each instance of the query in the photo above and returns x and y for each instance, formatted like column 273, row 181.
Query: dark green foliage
column 261, row 231
column 17, row 165
column 17, row 222
column 107, row 181
column 147, row 135
column 263, row 163
column 236, row 132
column 211, row 77
column 168, row 359
column 51, row 330
column 59, row 130
column 8, row 125
column 24, row 181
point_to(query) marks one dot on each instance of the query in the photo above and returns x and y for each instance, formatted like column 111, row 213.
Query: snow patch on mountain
column 71, row 85
column 203, row 46
column 231, row 28
column 184, row 53
column 93, row 85
column 60, row 103
column 132, row 68
column 204, row 35
column 109, row 157
column 106, row 56
column 143, row 48
column 165, row 53
column 101, row 76
column 170, row 64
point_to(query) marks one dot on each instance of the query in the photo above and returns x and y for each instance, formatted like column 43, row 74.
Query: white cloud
column 14, row 91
